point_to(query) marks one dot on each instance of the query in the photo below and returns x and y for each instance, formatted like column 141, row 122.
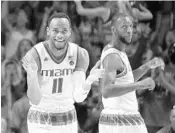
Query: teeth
column 59, row 40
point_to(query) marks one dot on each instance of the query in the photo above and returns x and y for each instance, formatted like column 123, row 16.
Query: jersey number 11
column 57, row 85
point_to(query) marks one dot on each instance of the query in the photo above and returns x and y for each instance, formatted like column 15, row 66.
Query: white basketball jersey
column 128, row 101
column 56, row 78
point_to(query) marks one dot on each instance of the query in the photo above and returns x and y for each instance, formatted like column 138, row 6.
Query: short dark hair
column 59, row 15
column 117, row 16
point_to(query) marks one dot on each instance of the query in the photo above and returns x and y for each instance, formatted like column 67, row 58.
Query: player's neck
column 118, row 45
column 57, row 53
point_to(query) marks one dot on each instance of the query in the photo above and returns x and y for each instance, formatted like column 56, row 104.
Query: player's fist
column 148, row 83
column 29, row 64
column 96, row 73
column 156, row 62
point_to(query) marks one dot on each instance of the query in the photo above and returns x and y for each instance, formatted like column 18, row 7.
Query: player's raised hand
column 156, row 62
column 96, row 73
column 29, row 64
column 147, row 83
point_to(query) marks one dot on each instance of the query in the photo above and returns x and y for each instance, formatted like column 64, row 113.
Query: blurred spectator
column 42, row 35
column 64, row 7
column 171, row 54
column 30, row 13
column 42, row 4
column 167, row 78
column 156, row 105
column 97, row 48
column 8, row 69
column 147, row 55
column 75, row 34
column 2, row 36
column 19, row 115
column 163, row 24
column 171, row 127
column 74, row 16
column 155, row 108
column 104, row 12
column 141, row 44
column 24, row 46
column 132, row 47
column 12, row 78
column 140, row 11
column 13, row 87
column 137, row 11
column 86, row 39
column 169, row 39
column 17, row 32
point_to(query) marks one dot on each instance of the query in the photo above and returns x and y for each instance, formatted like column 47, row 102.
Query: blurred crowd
column 24, row 23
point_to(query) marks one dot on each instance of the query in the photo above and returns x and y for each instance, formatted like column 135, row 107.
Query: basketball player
column 56, row 71
column 120, row 113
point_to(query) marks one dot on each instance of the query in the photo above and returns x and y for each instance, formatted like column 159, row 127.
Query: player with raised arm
column 56, row 77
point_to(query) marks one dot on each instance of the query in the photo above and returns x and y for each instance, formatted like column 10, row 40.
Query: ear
column 48, row 31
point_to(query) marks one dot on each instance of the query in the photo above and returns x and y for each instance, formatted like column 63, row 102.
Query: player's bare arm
column 82, row 85
column 110, row 89
column 31, row 65
column 142, row 70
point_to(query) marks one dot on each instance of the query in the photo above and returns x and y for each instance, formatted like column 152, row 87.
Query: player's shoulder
column 73, row 44
column 33, row 49
column 110, row 56
column 82, row 59
column 39, row 45
column 33, row 54
column 82, row 52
